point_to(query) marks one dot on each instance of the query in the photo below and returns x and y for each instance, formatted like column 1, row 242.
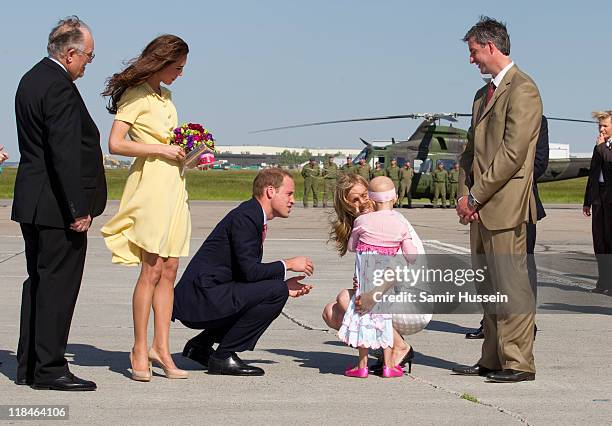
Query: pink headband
column 382, row 196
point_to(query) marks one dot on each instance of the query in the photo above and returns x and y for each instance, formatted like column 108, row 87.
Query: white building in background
column 277, row 150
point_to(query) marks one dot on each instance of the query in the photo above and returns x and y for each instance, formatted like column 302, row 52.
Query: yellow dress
column 154, row 212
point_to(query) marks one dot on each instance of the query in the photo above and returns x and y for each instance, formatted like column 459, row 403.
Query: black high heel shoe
column 378, row 367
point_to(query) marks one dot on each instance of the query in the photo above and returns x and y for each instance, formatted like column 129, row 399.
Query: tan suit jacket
column 497, row 163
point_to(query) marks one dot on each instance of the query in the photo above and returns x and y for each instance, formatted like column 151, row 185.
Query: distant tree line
column 289, row 158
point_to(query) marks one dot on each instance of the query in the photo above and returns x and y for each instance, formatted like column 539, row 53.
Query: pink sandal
column 396, row 371
column 361, row 373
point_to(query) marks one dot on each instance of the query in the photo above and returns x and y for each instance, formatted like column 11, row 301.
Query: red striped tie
column 490, row 91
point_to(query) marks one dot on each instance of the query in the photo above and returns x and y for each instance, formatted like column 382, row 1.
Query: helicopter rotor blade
column 570, row 119
column 294, row 126
column 573, row 120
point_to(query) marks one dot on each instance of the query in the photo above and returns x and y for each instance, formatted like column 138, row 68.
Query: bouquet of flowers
column 195, row 141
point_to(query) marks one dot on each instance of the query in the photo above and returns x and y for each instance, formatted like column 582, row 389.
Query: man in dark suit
column 227, row 291
column 598, row 196
column 60, row 186
column 539, row 167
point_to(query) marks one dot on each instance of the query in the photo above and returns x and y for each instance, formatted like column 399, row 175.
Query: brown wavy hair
column 342, row 222
column 158, row 54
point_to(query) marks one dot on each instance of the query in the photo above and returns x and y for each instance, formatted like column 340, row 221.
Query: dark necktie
column 490, row 92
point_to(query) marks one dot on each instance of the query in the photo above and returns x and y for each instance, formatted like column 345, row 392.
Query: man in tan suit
column 495, row 180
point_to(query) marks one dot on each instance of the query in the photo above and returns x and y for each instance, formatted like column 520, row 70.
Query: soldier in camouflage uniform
column 348, row 167
column 440, row 178
column 406, row 175
column 310, row 173
column 330, row 175
column 393, row 173
column 378, row 171
column 453, row 183
column 363, row 169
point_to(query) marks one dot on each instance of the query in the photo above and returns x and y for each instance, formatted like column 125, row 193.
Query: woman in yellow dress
column 152, row 226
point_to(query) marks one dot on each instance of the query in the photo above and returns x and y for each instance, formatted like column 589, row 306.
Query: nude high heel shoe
column 140, row 375
column 170, row 373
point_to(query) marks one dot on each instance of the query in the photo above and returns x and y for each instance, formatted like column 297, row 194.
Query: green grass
column 235, row 185
column 469, row 397
column 566, row 191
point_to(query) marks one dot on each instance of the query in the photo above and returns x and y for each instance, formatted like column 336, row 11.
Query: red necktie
column 263, row 234
column 490, row 91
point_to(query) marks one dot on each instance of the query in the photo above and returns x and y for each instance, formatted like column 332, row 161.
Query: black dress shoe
column 232, row 366
column 476, row 334
column 604, row 291
column 472, row 370
column 510, row 376
column 377, row 368
column 21, row 381
column 69, row 382
column 197, row 353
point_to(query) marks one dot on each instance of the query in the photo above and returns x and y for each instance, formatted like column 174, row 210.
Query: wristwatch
column 472, row 202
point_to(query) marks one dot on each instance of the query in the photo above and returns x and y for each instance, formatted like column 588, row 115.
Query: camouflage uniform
column 393, row 173
column 330, row 175
column 363, row 171
column 406, row 176
column 347, row 168
column 453, row 183
column 310, row 173
column 440, row 177
column 376, row 173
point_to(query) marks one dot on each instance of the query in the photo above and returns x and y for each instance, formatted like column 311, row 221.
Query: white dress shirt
column 499, row 77
column 58, row 62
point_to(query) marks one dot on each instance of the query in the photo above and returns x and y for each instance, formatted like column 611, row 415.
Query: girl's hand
column 171, row 152
column 367, row 207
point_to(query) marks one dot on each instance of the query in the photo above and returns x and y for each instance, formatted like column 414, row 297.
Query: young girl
column 376, row 235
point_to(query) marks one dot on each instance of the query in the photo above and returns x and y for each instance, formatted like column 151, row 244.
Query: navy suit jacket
column 540, row 164
column 229, row 259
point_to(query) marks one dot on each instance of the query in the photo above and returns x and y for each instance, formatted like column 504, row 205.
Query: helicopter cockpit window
column 381, row 160
column 448, row 163
column 423, row 166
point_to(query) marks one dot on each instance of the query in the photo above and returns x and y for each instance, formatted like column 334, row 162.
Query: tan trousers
column 508, row 328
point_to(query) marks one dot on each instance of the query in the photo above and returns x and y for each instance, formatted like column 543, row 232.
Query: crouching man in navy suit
column 227, row 291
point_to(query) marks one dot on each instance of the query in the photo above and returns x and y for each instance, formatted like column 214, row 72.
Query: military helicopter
column 433, row 143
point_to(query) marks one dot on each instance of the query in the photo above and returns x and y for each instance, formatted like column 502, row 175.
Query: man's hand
column 466, row 213
column 586, row 210
column 3, row 155
column 81, row 224
column 296, row 288
column 300, row 264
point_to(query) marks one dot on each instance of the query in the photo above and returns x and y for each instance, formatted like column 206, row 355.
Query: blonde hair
column 345, row 213
column 602, row 115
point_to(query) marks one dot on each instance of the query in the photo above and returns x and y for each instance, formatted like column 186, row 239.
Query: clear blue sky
column 259, row 64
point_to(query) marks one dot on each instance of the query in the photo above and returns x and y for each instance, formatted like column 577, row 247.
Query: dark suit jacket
column 229, row 258
column 600, row 162
column 61, row 171
column 540, row 164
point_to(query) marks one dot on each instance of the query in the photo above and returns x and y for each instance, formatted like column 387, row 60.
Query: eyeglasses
column 91, row 55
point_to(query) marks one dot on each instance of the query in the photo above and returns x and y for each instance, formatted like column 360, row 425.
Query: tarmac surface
column 304, row 361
